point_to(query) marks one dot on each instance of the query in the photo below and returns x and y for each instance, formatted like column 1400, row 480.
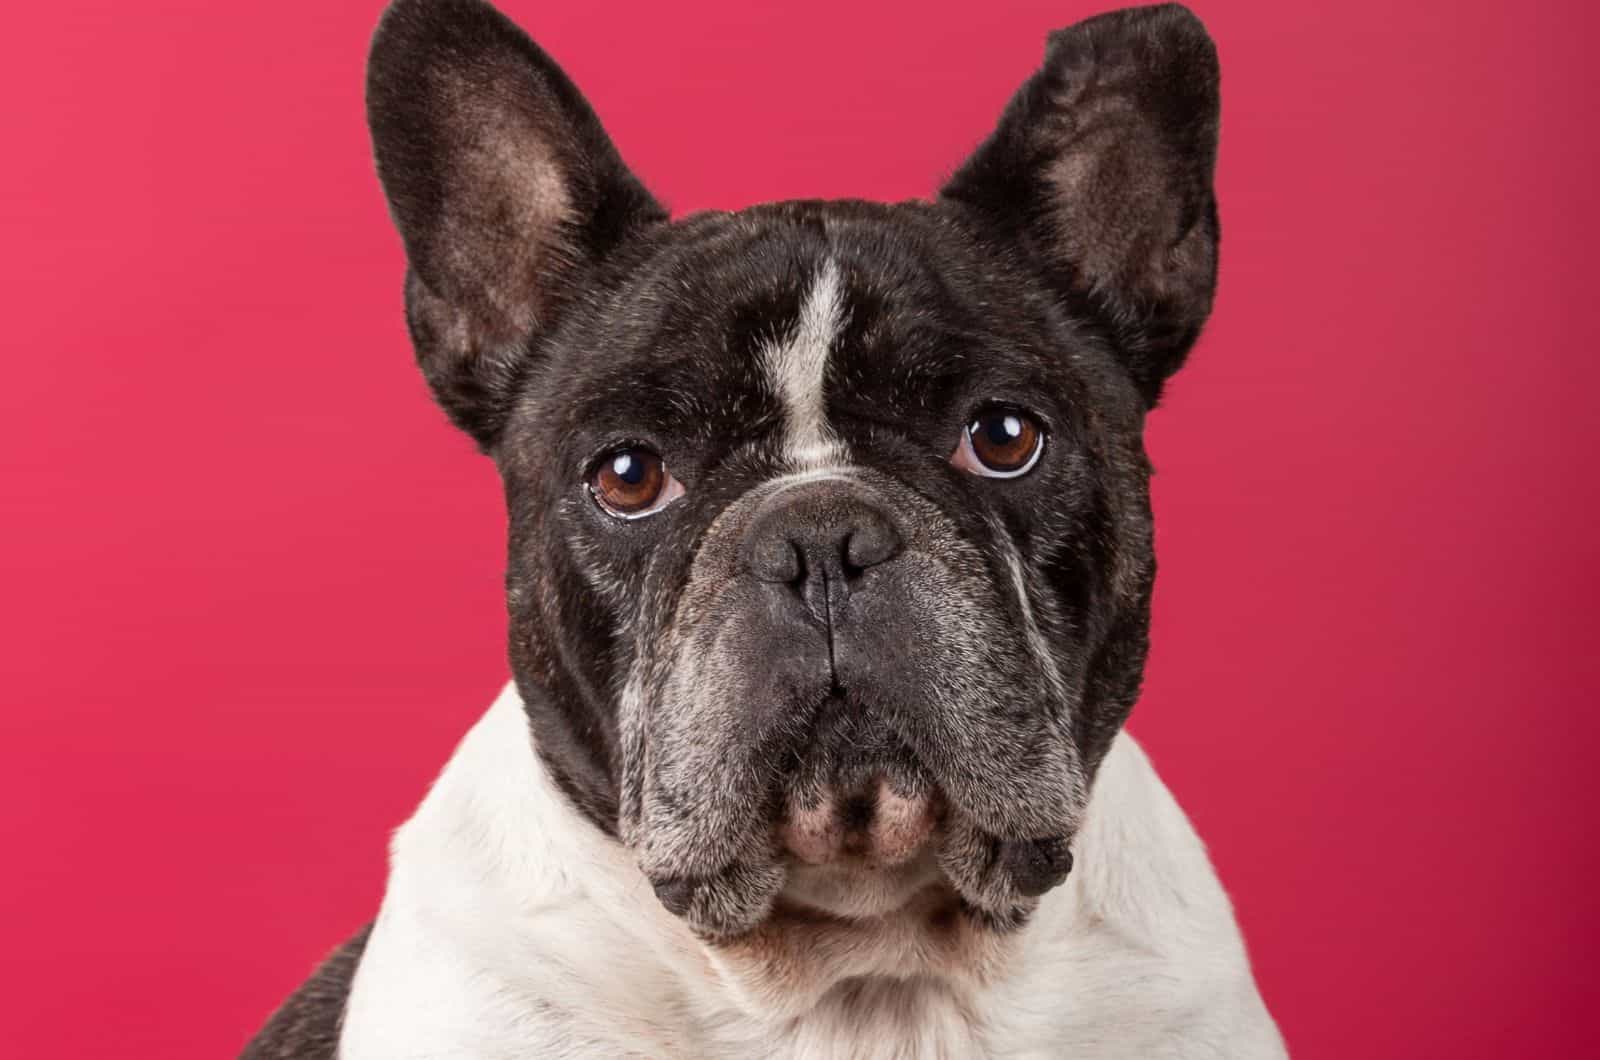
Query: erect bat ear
column 505, row 189
column 1101, row 168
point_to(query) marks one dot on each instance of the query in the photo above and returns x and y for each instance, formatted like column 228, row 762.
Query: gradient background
column 251, row 580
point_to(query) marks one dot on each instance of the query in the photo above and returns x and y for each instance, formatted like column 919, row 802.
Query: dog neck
column 517, row 899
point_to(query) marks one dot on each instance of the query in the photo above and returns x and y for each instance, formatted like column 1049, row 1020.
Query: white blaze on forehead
column 797, row 366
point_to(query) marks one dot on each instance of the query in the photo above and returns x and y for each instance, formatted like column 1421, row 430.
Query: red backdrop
column 252, row 580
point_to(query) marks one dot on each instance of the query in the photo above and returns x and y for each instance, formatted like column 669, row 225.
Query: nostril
column 869, row 545
column 775, row 559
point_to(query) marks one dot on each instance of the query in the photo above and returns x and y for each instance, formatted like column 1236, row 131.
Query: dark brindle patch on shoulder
column 306, row 1026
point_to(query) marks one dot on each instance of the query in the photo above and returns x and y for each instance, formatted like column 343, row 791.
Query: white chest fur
column 512, row 928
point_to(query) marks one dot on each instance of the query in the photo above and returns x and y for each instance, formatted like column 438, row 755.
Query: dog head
column 830, row 543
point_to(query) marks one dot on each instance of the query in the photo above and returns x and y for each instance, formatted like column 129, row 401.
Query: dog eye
column 633, row 482
column 1000, row 442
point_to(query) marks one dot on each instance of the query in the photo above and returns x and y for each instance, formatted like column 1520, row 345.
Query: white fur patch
column 798, row 367
column 512, row 927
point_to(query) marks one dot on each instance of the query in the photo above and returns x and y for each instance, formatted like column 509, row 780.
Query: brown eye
column 633, row 482
column 1000, row 442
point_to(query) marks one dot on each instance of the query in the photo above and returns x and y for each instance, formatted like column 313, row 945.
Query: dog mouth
column 864, row 850
column 861, row 854
column 998, row 886
column 869, row 852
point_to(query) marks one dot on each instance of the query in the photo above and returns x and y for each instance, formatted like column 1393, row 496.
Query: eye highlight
column 1002, row 441
column 633, row 482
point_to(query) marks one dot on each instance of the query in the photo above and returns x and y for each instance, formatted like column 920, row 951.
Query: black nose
column 818, row 539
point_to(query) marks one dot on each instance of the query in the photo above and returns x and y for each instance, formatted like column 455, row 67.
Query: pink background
column 251, row 579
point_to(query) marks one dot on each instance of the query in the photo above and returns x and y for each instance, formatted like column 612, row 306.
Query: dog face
column 830, row 551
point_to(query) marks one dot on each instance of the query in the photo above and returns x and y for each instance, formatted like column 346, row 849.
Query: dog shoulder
column 306, row 1026
column 501, row 932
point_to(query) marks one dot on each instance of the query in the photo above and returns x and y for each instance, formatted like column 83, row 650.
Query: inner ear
column 504, row 187
column 1101, row 171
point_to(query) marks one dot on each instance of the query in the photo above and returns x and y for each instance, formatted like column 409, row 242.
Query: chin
column 862, row 888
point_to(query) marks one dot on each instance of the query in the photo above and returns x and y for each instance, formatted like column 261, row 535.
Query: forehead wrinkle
column 796, row 367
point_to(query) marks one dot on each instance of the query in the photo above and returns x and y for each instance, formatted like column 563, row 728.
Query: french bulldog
column 829, row 587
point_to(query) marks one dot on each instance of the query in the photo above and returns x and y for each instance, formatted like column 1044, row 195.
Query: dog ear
column 505, row 189
column 1101, row 168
